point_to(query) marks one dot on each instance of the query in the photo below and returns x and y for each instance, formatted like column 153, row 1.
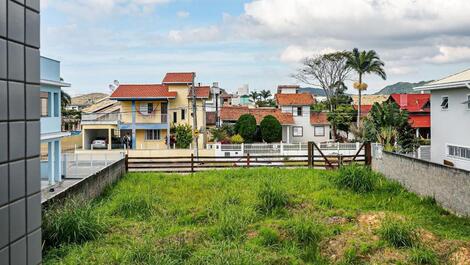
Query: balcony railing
column 124, row 118
column 114, row 117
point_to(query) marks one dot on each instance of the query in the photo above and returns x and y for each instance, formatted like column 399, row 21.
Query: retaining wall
column 449, row 186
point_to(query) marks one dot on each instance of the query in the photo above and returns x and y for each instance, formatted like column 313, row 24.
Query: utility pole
column 195, row 135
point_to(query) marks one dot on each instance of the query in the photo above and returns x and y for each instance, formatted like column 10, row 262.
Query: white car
column 98, row 144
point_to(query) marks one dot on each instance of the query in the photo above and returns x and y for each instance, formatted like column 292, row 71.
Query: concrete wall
column 20, row 197
column 91, row 186
column 451, row 126
column 449, row 186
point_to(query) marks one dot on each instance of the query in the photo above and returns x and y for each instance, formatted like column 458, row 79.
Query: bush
column 74, row 222
column 398, row 233
column 246, row 127
column 271, row 129
column 423, row 256
column 183, row 135
column 269, row 237
column 271, row 197
column 356, row 178
column 236, row 139
column 218, row 134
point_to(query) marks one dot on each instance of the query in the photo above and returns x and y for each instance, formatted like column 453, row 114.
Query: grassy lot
column 256, row 216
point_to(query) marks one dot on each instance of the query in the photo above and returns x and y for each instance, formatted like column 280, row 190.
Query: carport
column 89, row 135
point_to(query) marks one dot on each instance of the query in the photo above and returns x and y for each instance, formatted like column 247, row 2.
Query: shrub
column 398, row 233
column 74, row 222
column 183, row 135
column 271, row 197
column 423, row 256
column 271, row 129
column 236, row 139
column 218, row 134
column 356, row 178
column 269, row 237
column 136, row 206
column 246, row 127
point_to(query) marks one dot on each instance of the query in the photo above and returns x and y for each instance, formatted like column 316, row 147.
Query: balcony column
column 50, row 163
column 168, row 142
column 133, row 125
column 109, row 139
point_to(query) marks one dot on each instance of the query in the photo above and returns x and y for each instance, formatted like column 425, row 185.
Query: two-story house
column 418, row 107
column 51, row 134
column 450, row 119
column 148, row 112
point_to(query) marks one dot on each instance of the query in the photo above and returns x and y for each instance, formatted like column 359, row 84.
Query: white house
column 450, row 119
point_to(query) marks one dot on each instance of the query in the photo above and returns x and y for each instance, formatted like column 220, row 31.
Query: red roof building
column 201, row 92
column 319, row 118
column 419, row 110
column 147, row 91
column 232, row 113
column 294, row 99
column 179, row 78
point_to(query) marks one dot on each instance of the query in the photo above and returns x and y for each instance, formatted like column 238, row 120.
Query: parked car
column 98, row 144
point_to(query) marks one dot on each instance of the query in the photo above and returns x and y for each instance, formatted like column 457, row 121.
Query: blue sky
column 255, row 42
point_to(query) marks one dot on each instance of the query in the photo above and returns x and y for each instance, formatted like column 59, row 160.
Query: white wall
column 304, row 122
column 450, row 126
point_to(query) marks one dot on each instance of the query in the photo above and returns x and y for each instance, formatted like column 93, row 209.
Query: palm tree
column 254, row 95
column 364, row 62
column 65, row 99
column 265, row 94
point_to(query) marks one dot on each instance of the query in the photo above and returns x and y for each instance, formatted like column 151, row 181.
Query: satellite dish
column 116, row 83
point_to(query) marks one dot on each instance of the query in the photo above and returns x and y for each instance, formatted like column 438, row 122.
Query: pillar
column 50, row 162
column 168, row 124
column 133, row 125
column 288, row 134
column 109, row 139
column 57, row 161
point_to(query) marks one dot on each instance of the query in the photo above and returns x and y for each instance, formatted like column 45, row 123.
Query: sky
column 256, row 42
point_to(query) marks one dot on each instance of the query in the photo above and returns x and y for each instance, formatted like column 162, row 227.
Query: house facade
column 450, row 120
column 51, row 133
column 418, row 107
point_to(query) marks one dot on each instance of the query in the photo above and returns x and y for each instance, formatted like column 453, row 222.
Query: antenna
column 116, row 83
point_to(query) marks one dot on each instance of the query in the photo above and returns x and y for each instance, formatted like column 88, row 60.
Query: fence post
column 192, row 162
column 127, row 162
column 248, row 160
column 368, row 154
column 310, row 154
column 282, row 148
column 243, row 149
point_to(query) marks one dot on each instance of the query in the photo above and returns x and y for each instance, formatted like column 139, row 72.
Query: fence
column 78, row 165
column 314, row 157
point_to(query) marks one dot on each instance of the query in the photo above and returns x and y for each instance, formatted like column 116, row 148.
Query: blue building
column 51, row 84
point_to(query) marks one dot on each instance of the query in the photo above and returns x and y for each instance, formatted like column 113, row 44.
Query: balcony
column 124, row 120
column 101, row 118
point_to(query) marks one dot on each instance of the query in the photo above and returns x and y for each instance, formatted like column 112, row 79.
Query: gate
column 316, row 157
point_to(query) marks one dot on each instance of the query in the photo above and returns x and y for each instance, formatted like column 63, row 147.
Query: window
column 319, row 130
column 152, row 135
column 299, row 111
column 183, row 114
column 297, row 131
column 445, row 103
column 468, row 102
column 146, row 108
column 44, row 104
column 56, row 104
column 458, row 151
column 175, row 117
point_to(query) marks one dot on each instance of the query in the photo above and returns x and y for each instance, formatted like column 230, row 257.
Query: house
column 242, row 97
column 217, row 98
column 367, row 101
column 418, row 107
column 148, row 111
column 51, row 134
column 450, row 119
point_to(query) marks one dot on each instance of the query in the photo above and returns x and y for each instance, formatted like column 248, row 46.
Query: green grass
column 243, row 216
column 399, row 234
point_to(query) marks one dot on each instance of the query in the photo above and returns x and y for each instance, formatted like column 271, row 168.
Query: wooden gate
column 316, row 157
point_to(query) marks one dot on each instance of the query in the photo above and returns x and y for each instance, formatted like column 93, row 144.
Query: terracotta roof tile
column 178, row 78
column 201, row 92
column 232, row 113
column 142, row 91
column 294, row 99
column 412, row 102
column 420, row 121
column 319, row 118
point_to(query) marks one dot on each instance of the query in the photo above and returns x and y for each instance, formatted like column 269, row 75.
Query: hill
column 87, row 99
column 401, row 87
column 312, row 90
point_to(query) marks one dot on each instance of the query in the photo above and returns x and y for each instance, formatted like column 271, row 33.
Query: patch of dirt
column 461, row 256
column 388, row 256
column 371, row 220
column 337, row 220
column 252, row 234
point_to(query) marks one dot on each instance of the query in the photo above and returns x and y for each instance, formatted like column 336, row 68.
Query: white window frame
column 155, row 135
column 294, row 134
column 442, row 100
column 458, row 149
column 315, row 130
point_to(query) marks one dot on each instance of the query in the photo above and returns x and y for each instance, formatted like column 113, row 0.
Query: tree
column 236, row 139
column 271, row 129
column 340, row 118
column 246, row 127
column 254, row 95
column 218, row 134
column 65, row 99
column 265, row 94
column 407, row 139
column 364, row 62
column 183, row 135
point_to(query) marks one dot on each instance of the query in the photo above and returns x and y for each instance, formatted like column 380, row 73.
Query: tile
column 3, row 184
column 4, row 225
column 33, row 140
column 5, row 254
column 17, row 179
column 15, row 61
column 32, row 65
column 34, row 4
column 3, row 18
column 33, row 103
column 3, row 58
column 17, row 219
column 18, row 252
column 3, row 101
column 3, row 142
column 17, row 140
column 33, row 176
column 33, row 205
column 34, row 248
column 15, row 21
column 16, row 101
column 32, row 28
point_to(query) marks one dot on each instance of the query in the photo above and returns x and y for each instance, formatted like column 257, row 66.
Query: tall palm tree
column 364, row 62
column 65, row 99
column 254, row 95
column 265, row 94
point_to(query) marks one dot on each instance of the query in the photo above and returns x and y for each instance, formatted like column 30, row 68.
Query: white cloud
column 295, row 53
column 193, row 35
column 182, row 14
column 451, row 55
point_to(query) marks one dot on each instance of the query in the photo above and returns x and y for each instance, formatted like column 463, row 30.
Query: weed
column 232, row 223
column 356, row 178
column 423, row 256
column 398, row 234
column 326, row 202
column 269, row 237
column 306, row 232
column 271, row 198
column 135, row 206
column 74, row 222
column 351, row 257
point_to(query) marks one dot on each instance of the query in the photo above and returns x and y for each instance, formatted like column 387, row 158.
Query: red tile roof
column 232, row 113
column 365, row 109
column 142, row 91
column 319, row 118
column 201, row 92
column 178, row 78
column 420, row 121
column 294, row 99
column 412, row 102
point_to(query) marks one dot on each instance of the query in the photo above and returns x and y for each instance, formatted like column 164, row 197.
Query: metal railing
column 125, row 117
